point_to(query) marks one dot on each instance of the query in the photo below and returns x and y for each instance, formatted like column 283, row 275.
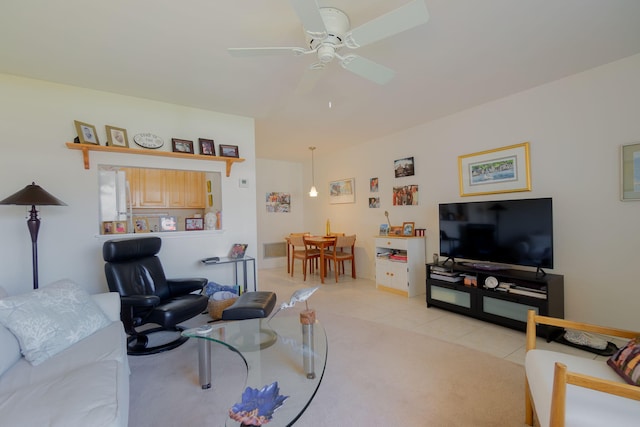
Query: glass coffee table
column 273, row 350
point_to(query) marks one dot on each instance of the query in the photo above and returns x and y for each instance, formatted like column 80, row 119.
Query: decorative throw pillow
column 626, row 362
column 50, row 319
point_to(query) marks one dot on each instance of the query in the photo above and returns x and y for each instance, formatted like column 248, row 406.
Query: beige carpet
column 376, row 375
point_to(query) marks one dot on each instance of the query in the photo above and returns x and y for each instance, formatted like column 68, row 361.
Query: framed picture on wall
column 342, row 191
column 501, row 170
column 404, row 167
column 630, row 171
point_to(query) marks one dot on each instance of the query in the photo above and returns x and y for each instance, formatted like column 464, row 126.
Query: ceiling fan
column 328, row 31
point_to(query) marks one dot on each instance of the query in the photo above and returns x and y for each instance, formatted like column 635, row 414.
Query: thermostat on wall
column 243, row 183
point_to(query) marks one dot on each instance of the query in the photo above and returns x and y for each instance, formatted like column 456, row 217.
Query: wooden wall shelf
column 85, row 148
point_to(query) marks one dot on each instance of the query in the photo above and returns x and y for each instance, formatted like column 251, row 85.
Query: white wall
column 575, row 126
column 282, row 177
column 37, row 119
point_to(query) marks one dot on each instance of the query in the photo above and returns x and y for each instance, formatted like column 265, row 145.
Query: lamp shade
column 33, row 194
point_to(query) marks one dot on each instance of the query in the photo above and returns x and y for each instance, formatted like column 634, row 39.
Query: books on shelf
column 445, row 278
column 528, row 293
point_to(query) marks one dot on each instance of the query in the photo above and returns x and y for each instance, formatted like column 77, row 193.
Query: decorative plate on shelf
column 148, row 140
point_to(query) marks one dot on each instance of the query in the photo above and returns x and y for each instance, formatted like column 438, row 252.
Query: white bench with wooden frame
column 569, row 390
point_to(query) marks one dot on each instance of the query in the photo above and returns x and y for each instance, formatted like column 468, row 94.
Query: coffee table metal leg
column 204, row 363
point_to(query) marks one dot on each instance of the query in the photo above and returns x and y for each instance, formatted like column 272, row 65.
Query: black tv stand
column 504, row 301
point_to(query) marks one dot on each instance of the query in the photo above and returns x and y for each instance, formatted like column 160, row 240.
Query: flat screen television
column 516, row 232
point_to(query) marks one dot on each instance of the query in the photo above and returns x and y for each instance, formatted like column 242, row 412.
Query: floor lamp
column 33, row 195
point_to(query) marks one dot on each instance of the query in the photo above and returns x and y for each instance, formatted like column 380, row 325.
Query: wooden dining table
column 322, row 243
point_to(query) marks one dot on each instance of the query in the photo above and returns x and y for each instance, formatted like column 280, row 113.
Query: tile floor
column 359, row 298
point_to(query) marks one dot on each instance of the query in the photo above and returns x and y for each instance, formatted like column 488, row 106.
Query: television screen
column 518, row 232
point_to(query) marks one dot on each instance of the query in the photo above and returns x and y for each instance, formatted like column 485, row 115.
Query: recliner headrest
column 129, row 249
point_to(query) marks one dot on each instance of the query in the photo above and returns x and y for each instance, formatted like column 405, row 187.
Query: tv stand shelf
column 527, row 290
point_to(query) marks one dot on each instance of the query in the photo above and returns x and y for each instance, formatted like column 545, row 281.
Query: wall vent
column 275, row 250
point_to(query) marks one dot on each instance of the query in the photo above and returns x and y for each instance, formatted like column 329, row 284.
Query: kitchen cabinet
column 160, row 188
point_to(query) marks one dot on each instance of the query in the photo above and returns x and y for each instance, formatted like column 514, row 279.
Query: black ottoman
column 250, row 305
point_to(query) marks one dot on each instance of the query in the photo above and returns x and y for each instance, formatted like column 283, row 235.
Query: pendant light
column 312, row 192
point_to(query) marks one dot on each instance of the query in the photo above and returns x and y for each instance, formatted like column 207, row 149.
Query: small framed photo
column 374, row 202
column 373, row 185
column 395, row 230
column 384, row 229
column 107, row 227
column 141, row 225
column 117, row 137
column 407, row 228
column 168, row 223
column 86, row 133
column 182, row 146
column 229, row 150
column 404, row 167
column 193, row 224
column 119, row 227
column 206, row 147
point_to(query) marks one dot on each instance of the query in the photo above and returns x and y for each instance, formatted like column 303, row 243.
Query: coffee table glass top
column 273, row 351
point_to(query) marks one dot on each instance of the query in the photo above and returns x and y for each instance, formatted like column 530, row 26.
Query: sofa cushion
column 626, row 362
column 585, row 407
column 48, row 320
column 83, row 397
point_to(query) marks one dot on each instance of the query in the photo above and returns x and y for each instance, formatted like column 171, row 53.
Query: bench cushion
column 251, row 305
column 584, row 407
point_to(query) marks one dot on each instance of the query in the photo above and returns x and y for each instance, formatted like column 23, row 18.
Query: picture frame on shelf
column 404, row 167
column 107, row 227
column 168, row 223
column 408, row 228
column 342, row 191
column 384, row 229
column 207, row 147
column 193, row 224
column 395, row 230
column 630, row 172
column 501, row 170
column 117, row 137
column 182, row 146
column 140, row 224
column 119, row 227
column 229, row 150
column 238, row 250
column 87, row 133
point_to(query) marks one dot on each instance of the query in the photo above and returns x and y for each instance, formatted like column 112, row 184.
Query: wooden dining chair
column 344, row 250
column 304, row 252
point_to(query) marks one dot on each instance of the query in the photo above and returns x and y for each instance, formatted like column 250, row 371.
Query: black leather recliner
column 135, row 272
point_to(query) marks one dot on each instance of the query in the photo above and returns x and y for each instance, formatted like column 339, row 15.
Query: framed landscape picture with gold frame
column 501, row 170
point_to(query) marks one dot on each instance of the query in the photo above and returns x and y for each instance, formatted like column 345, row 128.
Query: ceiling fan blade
column 260, row 51
column 401, row 19
column 368, row 69
column 309, row 14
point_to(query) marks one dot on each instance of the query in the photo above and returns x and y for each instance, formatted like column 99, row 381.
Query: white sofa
column 575, row 391
column 86, row 384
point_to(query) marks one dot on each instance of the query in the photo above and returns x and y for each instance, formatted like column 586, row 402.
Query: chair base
column 137, row 345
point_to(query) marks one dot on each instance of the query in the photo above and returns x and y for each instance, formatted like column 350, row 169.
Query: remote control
column 211, row 259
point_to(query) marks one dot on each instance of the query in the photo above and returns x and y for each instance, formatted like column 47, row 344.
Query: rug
column 376, row 375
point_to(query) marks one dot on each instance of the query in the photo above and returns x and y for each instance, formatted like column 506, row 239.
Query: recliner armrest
column 140, row 300
column 179, row 287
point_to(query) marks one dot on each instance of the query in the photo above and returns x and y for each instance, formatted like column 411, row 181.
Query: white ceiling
column 470, row 52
